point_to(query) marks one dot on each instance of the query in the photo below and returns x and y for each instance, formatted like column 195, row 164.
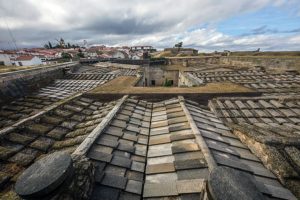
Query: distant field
column 241, row 53
column 260, row 54
column 282, row 53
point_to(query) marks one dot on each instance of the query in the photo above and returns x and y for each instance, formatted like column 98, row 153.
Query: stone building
column 91, row 135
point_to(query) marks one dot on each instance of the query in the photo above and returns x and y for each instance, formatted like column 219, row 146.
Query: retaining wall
column 20, row 83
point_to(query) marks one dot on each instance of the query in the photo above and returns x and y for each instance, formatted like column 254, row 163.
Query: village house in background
column 27, row 61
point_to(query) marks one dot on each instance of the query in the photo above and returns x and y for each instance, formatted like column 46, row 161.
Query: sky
column 207, row 25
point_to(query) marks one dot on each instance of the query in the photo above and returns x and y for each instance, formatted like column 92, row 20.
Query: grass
column 4, row 69
column 125, row 85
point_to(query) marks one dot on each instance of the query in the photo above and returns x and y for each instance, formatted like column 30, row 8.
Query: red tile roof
column 24, row 57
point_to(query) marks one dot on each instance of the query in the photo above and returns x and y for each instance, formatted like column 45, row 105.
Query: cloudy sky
column 207, row 25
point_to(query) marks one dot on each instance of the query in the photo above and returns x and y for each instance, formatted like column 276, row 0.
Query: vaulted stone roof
column 133, row 148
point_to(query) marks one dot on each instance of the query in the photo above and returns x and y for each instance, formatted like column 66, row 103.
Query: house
column 5, row 59
column 137, row 56
column 120, row 55
column 142, row 49
column 92, row 52
column 27, row 60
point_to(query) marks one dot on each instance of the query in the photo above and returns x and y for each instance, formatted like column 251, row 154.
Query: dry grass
column 268, row 54
column 4, row 69
column 125, row 85
column 163, row 54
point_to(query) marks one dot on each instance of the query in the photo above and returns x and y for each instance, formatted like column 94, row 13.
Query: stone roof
column 64, row 128
column 261, row 81
column 24, row 57
column 270, row 127
column 232, row 148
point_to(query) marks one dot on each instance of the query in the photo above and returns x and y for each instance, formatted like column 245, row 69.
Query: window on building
column 171, row 82
column 153, row 82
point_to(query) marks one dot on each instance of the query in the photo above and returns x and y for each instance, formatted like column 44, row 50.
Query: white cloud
column 158, row 22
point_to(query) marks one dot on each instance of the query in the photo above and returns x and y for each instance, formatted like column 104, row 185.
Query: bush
column 168, row 83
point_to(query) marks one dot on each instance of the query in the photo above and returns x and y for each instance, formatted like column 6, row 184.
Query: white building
column 27, row 60
column 5, row 59
column 120, row 55
column 137, row 56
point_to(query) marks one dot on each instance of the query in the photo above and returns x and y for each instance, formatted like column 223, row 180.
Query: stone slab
column 160, row 168
column 190, row 186
column 193, row 174
column 126, row 147
column 99, row 156
column 228, row 183
column 134, row 187
column 103, row 192
column 190, row 164
column 138, row 166
column 160, row 190
column 44, row 176
column 121, row 161
column 181, row 148
column 114, row 181
column 134, row 175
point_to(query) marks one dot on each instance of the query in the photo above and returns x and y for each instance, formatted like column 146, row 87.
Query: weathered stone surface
column 115, row 170
column 42, row 144
column 22, row 159
column 58, row 133
column 100, row 156
column 38, row 129
column 190, row 164
column 126, row 147
column 44, row 176
column 114, row 181
column 51, row 120
column 4, row 178
column 19, row 138
column 104, row 192
column 134, row 186
column 201, row 173
column 160, row 190
column 160, row 139
column 181, row 148
column 138, row 166
column 294, row 154
column 121, row 161
column 160, row 168
column 226, row 183
column 81, row 185
column 190, row 186
column 134, row 175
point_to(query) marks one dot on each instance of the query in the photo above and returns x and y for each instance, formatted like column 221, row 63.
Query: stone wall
column 20, row 83
column 159, row 76
column 187, row 79
column 270, row 63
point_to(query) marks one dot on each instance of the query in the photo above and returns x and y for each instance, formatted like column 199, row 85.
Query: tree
column 69, row 45
column 80, row 54
column 62, row 42
column 46, row 46
column 178, row 45
column 65, row 55
column 50, row 45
